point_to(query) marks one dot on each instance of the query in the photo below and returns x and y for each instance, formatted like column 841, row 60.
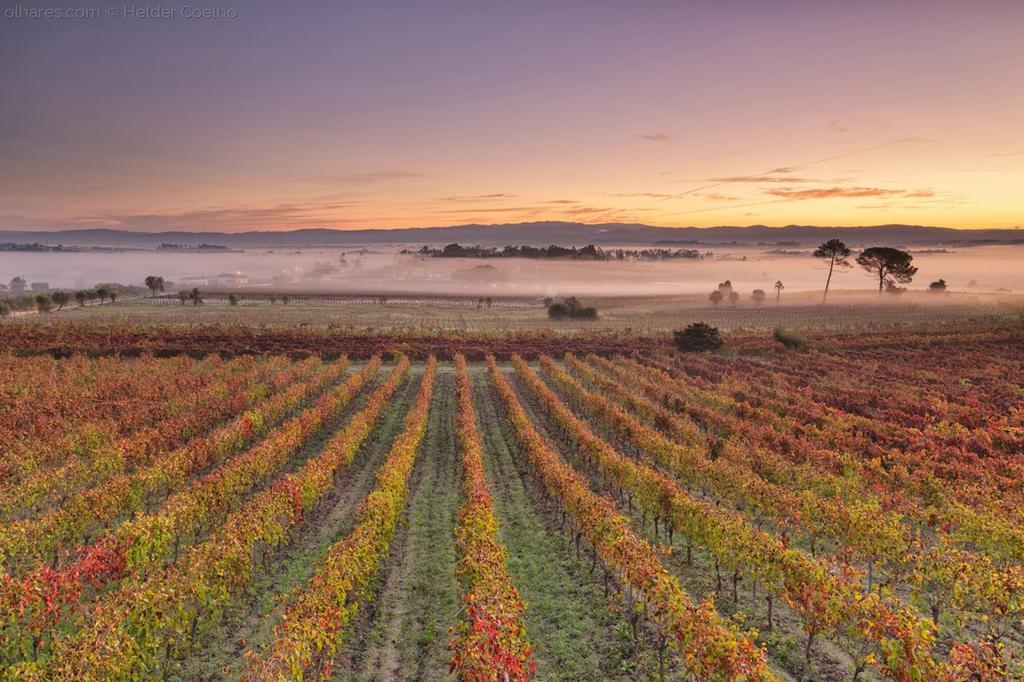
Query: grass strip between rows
column 139, row 630
column 711, row 648
column 314, row 623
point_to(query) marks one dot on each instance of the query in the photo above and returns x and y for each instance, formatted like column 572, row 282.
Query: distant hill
column 535, row 233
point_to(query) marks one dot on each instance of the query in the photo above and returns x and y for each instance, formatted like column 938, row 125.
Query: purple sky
column 343, row 114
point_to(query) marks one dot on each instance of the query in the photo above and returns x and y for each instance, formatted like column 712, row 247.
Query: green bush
column 558, row 311
column 586, row 313
column 698, row 337
column 789, row 339
column 571, row 308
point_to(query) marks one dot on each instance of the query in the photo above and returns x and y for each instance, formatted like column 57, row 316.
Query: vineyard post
column 662, row 644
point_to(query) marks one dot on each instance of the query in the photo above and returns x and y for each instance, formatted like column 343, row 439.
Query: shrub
column 558, row 311
column 698, row 337
column 788, row 339
column 571, row 308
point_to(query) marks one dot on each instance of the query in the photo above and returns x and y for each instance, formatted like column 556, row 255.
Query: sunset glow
column 424, row 114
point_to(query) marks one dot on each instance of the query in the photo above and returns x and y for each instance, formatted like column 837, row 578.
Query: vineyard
column 204, row 504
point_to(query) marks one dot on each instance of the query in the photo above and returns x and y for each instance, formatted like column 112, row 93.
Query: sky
column 234, row 116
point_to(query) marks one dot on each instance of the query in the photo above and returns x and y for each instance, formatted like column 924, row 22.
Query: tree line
column 47, row 301
column 588, row 252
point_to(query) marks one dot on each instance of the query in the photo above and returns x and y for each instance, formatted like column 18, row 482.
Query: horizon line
column 291, row 230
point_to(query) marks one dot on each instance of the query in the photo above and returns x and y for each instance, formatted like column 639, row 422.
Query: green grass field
column 639, row 314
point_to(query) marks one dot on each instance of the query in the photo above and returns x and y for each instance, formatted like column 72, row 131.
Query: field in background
column 635, row 314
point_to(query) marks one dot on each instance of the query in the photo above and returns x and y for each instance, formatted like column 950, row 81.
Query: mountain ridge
column 534, row 233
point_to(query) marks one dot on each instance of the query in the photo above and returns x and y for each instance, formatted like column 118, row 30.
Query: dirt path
column 404, row 631
column 575, row 632
column 250, row 623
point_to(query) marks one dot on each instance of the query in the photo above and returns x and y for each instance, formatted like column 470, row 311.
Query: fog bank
column 984, row 268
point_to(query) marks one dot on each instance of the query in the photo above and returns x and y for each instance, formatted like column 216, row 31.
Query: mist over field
column 384, row 269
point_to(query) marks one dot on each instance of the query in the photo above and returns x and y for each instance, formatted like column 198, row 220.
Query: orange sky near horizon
column 397, row 115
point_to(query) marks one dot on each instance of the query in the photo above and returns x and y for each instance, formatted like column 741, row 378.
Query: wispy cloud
column 282, row 216
column 790, row 169
column 715, row 196
column 637, row 195
column 844, row 193
column 596, row 210
column 479, row 197
column 497, row 209
column 654, row 137
column 761, row 178
column 1019, row 152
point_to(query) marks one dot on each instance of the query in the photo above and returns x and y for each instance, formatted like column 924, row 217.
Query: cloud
column 715, row 196
column 1016, row 153
column 590, row 210
column 834, row 193
column 654, row 137
column 499, row 209
column 607, row 215
column 920, row 194
column 478, row 197
column 761, row 178
column 566, row 207
column 635, row 195
column 789, row 169
column 282, row 216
